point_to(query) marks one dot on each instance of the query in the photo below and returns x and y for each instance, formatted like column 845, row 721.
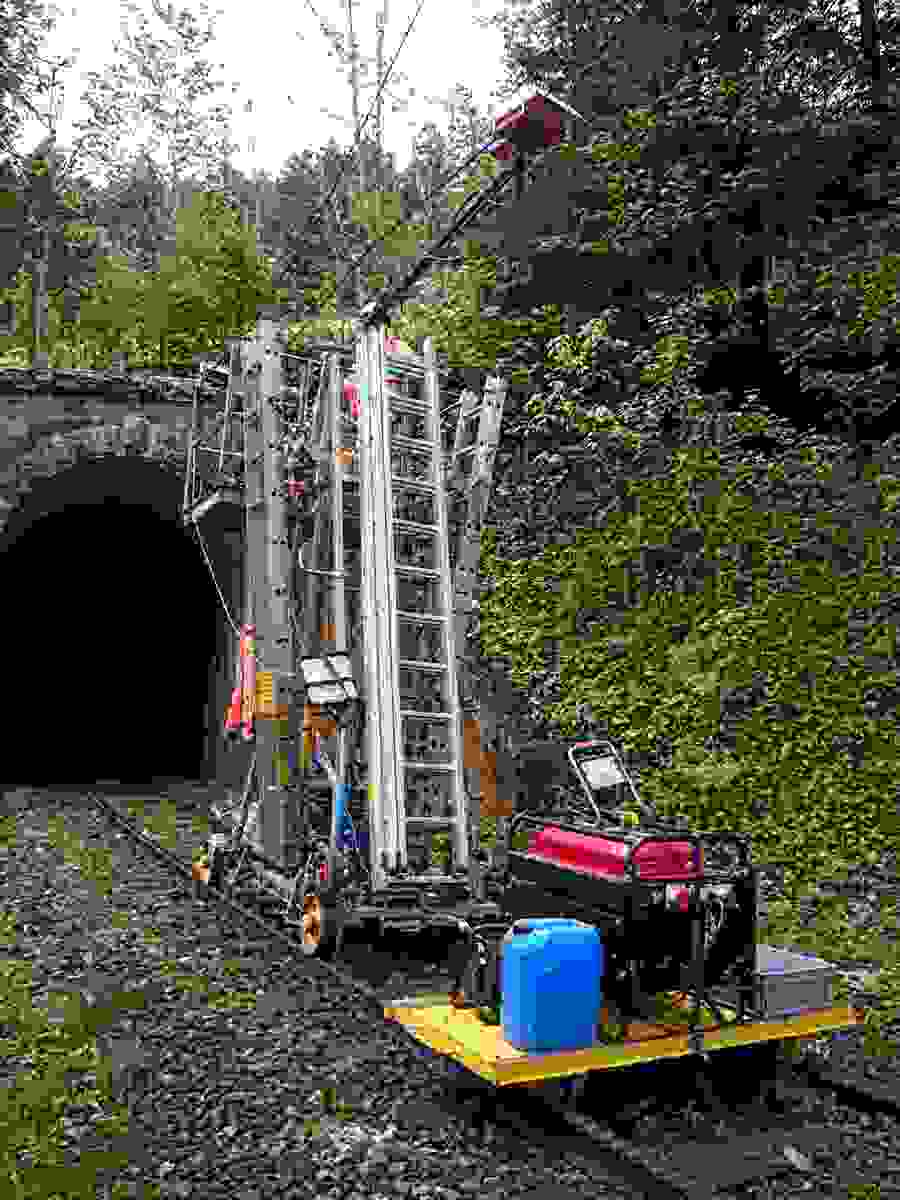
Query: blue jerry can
column 551, row 984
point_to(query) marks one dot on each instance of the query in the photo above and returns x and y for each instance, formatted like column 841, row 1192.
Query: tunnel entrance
column 112, row 626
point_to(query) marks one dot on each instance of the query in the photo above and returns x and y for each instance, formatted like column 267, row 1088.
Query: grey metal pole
column 267, row 586
column 255, row 499
column 338, row 591
column 339, row 595
column 275, row 671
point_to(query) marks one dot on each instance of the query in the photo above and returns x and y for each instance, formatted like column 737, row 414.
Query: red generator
column 675, row 908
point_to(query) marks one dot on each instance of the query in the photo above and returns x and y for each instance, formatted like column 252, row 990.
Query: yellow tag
column 265, row 692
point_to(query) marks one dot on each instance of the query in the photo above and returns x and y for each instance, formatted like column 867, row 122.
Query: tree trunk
column 354, row 84
column 40, row 358
column 871, row 49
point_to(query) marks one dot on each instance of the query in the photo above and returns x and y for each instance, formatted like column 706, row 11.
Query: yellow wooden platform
column 461, row 1035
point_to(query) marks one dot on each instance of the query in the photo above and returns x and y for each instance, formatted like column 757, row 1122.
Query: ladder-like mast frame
column 391, row 389
column 460, row 847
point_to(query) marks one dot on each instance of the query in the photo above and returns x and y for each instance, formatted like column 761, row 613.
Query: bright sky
column 279, row 58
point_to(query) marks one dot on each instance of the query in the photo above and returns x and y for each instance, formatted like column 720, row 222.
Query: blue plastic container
column 551, row 984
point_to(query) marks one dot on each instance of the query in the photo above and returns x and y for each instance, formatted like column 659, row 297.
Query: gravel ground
column 218, row 1096
column 221, row 1094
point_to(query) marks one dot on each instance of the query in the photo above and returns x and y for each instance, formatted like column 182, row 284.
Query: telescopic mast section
column 346, row 487
column 414, row 745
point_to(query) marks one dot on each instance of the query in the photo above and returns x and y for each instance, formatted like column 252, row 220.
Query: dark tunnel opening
column 111, row 622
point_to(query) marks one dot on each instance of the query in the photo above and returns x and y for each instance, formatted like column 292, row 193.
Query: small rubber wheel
column 320, row 937
column 458, row 963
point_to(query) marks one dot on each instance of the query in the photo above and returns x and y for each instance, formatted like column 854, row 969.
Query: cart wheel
column 456, row 963
column 320, row 927
column 472, row 989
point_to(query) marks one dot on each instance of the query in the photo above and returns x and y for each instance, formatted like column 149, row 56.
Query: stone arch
column 59, row 454
column 63, row 462
column 37, row 444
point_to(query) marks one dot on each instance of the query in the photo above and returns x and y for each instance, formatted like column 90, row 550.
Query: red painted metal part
column 606, row 856
column 530, row 126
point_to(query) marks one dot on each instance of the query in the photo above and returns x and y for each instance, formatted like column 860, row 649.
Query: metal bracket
column 696, row 1043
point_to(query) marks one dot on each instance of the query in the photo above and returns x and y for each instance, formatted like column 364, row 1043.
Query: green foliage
column 94, row 862
column 615, row 194
column 163, row 823
column 639, row 119
column 576, row 353
column 488, row 1015
column 209, row 289
column 332, row 1104
column 187, row 984
column 326, row 325
column 670, row 1013
column 672, row 354
column 440, row 850
column 379, row 213
column 200, row 824
column 212, row 287
column 58, row 1052
column 7, row 831
column 459, row 328
column 440, row 842
column 611, row 1032
column 878, row 290
column 62, row 1068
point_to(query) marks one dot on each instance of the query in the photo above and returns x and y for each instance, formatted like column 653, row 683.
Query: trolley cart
column 461, row 1034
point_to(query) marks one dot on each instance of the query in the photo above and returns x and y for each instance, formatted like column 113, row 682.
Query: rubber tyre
column 469, row 992
column 458, row 963
column 321, row 932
